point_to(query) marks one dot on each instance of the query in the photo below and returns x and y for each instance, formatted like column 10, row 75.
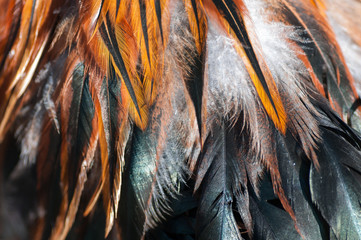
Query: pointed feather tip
column 275, row 112
column 109, row 221
column 139, row 115
column 280, row 120
column 140, row 122
column 2, row 131
column 94, row 198
column 274, row 106
column 315, row 162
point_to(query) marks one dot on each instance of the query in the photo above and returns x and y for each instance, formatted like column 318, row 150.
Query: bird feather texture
column 180, row 119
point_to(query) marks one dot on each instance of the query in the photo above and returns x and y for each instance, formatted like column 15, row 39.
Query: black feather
column 215, row 216
column 334, row 188
column 79, row 125
column 107, row 32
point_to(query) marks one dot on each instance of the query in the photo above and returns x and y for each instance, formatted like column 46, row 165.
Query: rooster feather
column 180, row 119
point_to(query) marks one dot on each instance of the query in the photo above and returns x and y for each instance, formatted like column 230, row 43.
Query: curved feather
column 79, row 141
column 334, row 75
column 33, row 35
column 157, row 160
column 230, row 14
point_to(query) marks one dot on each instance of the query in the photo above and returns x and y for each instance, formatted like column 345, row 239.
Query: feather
column 197, row 22
column 346, row 29
column 8, row 28
column 198, row 27
column 219, row 186
column 35, row 31
column 336, row 78
column 293, row 167
column 115, row 40
column 342, row 193
column 232, row 12
column 344, row 190
column 182, row 119
column 82, row 134
column 162, row 172
column 116, row 130
column 151, row 37
column 270, row 222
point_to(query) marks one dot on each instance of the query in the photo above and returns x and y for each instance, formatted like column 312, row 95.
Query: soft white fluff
column 287, row 69
column 231, row 90
column 30, row 131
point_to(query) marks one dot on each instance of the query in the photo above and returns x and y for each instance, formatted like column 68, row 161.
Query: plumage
column 180, row 119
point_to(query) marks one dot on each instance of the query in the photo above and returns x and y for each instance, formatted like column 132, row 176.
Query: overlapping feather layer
column 182, row 119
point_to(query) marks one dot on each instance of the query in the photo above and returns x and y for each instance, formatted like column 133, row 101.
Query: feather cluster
column 180, row 119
